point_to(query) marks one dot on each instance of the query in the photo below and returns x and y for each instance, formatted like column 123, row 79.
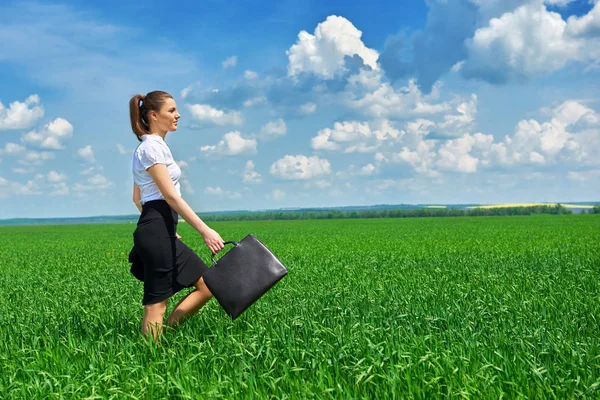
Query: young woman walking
column 167, row 264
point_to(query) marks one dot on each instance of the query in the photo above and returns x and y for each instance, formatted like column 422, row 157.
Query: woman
column 167, row 264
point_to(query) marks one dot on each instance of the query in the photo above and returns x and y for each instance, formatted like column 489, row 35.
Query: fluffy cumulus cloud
column 21, row 115
column 324, row 53
column 354, row 136
column 52, row 136
column 94, row 183
column 186, row 186
column 53, row 184
column 352, row 171
column 250, row 175
column 232, row 144
column 56, row 177
column 496, row 41
column 571, row 137
column 527, row 42
column 458, row 123
column 300, row 167
column 12, row 188
column 455, row 154
column 87, row 154
column 420, row 157
column 587, row 25
column 308, row 108
column 208, row 114
column 274, row 129
column 12, row 149
column 36, row 158
column 384, row 101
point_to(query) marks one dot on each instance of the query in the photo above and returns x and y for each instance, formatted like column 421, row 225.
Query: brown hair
column 139, row 105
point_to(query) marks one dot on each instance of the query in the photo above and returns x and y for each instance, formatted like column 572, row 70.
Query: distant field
column 532, row 205
column 474, row 307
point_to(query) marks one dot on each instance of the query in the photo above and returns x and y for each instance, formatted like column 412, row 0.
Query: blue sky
column 302, row 104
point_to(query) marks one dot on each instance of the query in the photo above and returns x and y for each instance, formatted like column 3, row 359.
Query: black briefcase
column 243, row 275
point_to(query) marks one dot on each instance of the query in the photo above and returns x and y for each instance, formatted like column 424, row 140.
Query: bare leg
column 190, row 304
column 153, row 318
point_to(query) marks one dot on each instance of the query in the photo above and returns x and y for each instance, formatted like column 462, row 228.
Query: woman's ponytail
column 136, row 114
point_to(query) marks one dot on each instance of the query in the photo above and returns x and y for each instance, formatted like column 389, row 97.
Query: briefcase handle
column 233, row 242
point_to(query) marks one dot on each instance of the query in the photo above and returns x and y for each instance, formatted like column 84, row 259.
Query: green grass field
column 482, row 307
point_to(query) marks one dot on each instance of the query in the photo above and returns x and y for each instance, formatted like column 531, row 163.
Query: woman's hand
column 177, row 236
column 213, row 240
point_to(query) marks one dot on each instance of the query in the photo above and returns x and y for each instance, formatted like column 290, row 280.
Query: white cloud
column 385, row 102
column 584, row 176
column 184, row 181
column 206, row 113
column 352, row 171
column 274, row 128
column 458, row 124
column 586, row 25
column 97, row 182
column 60, row 189
column 255, row 101
column 546, row 143
column 571, row 112
column 421, row 158
column 87, row 154
column 122, row 149
column 232, row 144
column 250, row 175
column 217, row 191
column 277, row 195
column 308, row 108
column 51, row 136
column 526, row 42
column 36, row 158
column 92, row 169
column 455, row 155
column 354, row 136
column 324, row 53
column 300, row 167
column 249, row 74
column 230, row 62
column 21, row 115
column 55, row 177
column 23, row 170
column 12, row 149
column 188, row 89
column 11, row 188
column 321, row 184
column 185, row 91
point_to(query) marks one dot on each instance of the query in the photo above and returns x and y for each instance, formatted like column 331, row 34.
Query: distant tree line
column 397, row 213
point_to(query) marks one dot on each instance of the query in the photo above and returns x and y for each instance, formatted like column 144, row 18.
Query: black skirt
column 164, row 263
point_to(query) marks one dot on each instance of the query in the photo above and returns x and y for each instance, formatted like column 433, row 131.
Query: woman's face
column 165, row 120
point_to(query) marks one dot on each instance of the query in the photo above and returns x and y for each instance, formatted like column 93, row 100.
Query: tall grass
column 409, row 308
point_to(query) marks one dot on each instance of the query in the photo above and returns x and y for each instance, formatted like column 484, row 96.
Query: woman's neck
column 162, row 134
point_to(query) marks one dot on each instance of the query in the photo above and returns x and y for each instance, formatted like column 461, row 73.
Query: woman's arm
column 161, row 177
column 137, row 196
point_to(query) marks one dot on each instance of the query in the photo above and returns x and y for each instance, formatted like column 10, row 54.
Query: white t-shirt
column 153, row 150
